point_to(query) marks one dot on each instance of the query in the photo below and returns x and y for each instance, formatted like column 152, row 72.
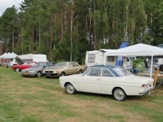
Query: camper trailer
column 96, row 57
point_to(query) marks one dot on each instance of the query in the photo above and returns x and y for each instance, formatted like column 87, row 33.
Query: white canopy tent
column 137, row 50
column 3, row 55
column 8, row 55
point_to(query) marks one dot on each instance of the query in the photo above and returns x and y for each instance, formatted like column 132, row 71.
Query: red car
column 20, row 67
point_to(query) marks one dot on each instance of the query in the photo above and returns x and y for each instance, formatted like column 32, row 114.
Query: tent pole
column 151, row 66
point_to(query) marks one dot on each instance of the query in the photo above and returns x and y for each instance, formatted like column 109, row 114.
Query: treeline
column 66, row 29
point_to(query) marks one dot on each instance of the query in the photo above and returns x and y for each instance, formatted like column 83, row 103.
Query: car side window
column 46, row 65
column 70, row 65
column 95, row 72
column 75, row 64
column 28, row 62
column 106, row 73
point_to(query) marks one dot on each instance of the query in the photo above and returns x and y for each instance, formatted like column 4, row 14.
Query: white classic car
column 111, row 80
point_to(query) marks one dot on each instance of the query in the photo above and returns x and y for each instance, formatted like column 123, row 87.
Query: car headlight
column 32, row 71
column 54, row 71
column 57, row 72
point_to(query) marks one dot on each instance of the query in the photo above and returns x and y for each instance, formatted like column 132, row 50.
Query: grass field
column 42, row 100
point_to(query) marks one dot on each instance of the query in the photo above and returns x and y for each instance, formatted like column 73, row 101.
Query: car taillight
column 146, row 85
column 143, row 85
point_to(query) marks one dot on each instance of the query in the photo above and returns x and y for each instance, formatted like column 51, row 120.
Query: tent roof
column 8, row 55
column 137, row 50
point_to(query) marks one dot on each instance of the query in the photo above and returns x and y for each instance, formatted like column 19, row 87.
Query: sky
column 4, row 4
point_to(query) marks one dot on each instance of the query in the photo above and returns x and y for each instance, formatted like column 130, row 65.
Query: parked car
column 20, row 67
column 36, row 70
column 112, row 80
column 64, row 68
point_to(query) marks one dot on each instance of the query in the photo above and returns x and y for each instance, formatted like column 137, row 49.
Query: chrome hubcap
column 119, row 93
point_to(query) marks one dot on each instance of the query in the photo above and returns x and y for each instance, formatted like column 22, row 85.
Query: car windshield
column 122, row 72
column 38, row 65
column 35, row 65
column 61, row 64
column 29, row 63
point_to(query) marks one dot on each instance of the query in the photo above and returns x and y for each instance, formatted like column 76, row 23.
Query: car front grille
column 48, row 72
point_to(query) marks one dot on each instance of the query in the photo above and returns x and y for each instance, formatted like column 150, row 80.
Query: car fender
column 120, row 88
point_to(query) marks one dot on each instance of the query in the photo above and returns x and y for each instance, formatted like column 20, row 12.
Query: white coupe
column 110, row 80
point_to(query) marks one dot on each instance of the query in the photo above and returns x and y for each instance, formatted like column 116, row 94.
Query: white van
column 20, row 59
column 15, row 61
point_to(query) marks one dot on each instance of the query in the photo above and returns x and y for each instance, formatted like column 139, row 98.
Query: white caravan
column 97, row 57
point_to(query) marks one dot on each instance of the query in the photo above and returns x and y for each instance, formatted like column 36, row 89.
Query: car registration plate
column 25, row 73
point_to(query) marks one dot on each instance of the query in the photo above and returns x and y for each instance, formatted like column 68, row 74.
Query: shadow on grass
column 88, row 96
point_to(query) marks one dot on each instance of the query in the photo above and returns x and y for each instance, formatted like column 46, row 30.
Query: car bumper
column 145, row 91
column 28, row 74
column 52, row 75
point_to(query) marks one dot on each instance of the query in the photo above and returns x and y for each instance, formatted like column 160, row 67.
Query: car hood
column 54, row 68
column 18, row 65
column 74, row 76
column 33, row 69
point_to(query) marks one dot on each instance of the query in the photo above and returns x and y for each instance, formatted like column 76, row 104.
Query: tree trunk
column 72, row 14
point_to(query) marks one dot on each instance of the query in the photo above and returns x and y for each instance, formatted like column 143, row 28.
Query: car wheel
column 39, row 74
column 47, row 77
column 17, row 70
column 70, row 89
column 119, row 94
column 80, row 72
column 62, row 74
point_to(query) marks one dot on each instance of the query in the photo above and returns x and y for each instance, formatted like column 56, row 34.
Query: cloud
column 4, row 4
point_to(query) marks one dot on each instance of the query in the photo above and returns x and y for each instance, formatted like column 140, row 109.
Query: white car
column 111, row 80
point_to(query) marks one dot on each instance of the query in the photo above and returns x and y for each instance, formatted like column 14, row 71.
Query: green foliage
column 8, row 27
column 137, row 61
column 63, row 49
column 154, row 10
column 77, row 26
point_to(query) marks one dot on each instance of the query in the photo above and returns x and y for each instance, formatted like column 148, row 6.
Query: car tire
column 38, row 74
column 17, row 70
column 62, row 74
column 47, row 76
column 119, row 94
column 80, row 71
column 70, row 89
